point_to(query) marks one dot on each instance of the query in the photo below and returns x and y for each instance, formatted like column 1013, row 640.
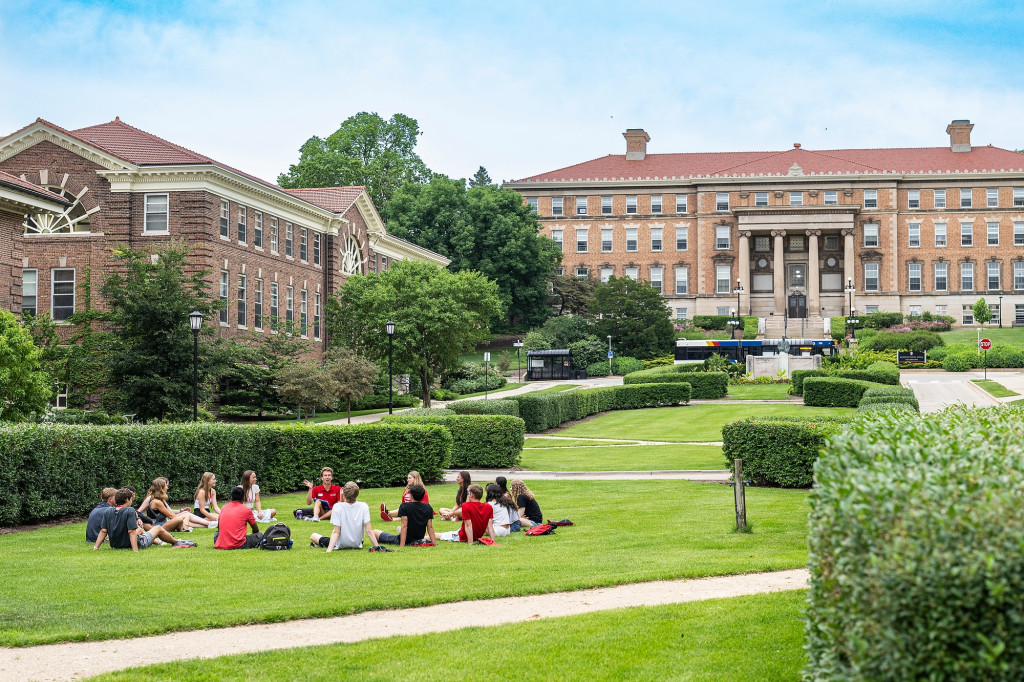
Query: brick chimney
column 636, row 144
column 960, row 135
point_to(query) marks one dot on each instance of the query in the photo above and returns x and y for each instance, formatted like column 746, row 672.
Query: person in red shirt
column 232, row 522
column 477, row 517
column 412, row 479
column 324, row 496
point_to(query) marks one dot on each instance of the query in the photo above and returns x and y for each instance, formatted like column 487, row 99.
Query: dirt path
column 84, row 659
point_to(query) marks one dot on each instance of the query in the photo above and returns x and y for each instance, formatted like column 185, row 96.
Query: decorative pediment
column 870, row 256
column 723, row 258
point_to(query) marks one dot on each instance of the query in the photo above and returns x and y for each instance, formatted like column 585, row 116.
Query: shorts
column 389, row 539
column 516, row 526
column 500, row 531
column 145, row 540
column 252, row 541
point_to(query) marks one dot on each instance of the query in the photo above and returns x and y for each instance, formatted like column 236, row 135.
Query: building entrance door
column 797, row 305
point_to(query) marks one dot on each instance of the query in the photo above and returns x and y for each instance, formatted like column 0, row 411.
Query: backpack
column 563, row 522
column 278, row 536
column 542, row 529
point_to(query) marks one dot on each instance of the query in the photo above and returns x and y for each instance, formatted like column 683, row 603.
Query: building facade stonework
column 913, row 230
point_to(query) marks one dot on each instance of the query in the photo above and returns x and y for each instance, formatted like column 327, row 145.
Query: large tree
column 481, row 178
column 636, row 317
column 365, row 150
column 572, row 294
column 353, row 376
column 438, row 315
column 485, row 228
column 25, row 387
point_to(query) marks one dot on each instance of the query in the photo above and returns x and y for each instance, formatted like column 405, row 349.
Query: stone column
column 779, row 273
column 848, row 262
column 813, row 276
column 743, row 272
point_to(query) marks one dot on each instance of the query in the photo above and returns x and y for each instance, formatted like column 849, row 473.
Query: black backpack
column 278, row 536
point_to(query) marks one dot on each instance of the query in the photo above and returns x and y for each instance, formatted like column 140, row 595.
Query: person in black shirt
column 123, row 525
column 92, row 527
column 417, row 519
column 529, row 510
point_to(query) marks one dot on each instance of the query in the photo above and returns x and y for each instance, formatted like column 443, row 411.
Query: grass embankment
column 994, row 388
column 759, row 392
column 624, row 458
column 1011, row 336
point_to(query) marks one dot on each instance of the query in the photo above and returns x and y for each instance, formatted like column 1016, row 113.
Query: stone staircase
column 777, row 326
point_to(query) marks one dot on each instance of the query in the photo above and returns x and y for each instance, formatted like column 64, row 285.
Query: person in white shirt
column 251, row 500
column 351, row 520
column 503, row 509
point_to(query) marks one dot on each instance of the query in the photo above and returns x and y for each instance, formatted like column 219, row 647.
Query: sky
column 518, row 87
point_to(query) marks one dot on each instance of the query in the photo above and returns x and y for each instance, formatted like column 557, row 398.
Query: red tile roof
column 137, row 146
column 820, row 162
column 14, row 181
column 336, row 199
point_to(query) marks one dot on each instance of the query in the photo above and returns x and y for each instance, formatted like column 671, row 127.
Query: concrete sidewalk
column 704, row 476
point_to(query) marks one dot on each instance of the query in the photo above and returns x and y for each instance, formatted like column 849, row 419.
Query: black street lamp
column 519, row 365
column 853, row 323
column 609, row 355
column 390, row 329
column 1000, row 312
column 734, row 321
column 738, row 290
column 849, row 293
column 195, row 320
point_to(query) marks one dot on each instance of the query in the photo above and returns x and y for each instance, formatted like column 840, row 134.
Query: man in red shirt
column 232, row 522
column 477, row 517
column 324, row 496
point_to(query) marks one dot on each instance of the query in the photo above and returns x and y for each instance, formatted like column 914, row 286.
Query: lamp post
column 849, row 293
column 853, row 323
column 734, row 322
column 195, row 321
column 389, row 327
column 738, row 290
column 487, row 362
column 1000, row 312
column 609, row 355
column 519, row 364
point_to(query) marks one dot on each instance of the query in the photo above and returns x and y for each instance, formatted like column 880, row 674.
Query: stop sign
column 985, row 344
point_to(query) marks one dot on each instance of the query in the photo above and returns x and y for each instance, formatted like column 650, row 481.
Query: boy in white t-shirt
column 351, row 520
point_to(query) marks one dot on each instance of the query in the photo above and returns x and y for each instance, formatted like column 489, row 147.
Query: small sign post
column 985, row 344
column 740, row 495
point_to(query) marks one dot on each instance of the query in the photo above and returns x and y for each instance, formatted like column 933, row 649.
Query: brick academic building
column 915, row 230
column 69, row 197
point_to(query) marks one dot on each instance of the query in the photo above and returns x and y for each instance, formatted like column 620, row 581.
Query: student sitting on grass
column 417, row 520
column 324, row 496
column 205, row 504
column 502, row 509
column 455, row 513
column 92, row 526
column 412, row 479
column 122, row 524
column 350, row 519
column 161, row 512
column 529, row 510
column 232, row 522
column 252, row 498
column 515, row 523
column 477, row 519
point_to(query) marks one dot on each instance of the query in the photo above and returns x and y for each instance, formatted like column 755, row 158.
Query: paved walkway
column 702, row 475
column 938, row 390
column 83, row 659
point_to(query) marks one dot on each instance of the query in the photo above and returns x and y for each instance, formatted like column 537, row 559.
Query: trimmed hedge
column 778, row 452
column 834, row 391
column 886, row 406
column 53, row 470
column 889, row 394
column 877, row 372
column 479, row 441
column 704, row 385
column 547, row 410
column 509, row 407
column 915, row 537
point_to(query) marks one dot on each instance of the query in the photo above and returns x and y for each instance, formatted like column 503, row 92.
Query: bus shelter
column 545, row 365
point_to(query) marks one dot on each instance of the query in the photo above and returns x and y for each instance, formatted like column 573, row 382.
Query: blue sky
column 519, row 87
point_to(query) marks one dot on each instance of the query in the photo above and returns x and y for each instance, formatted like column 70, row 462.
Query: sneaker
column 314, row 544
column 384, row 516
column 213, row 524
column 186, row 530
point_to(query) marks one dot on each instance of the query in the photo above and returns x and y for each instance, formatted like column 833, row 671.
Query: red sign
column 985, row 344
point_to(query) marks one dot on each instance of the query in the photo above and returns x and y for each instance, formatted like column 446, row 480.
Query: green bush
column 509, row 407
column 1005, row 356
column 834, row 391
column 542, row 411
column 73, row 416
column 896, row 393
column 914, row 341
column 55, row 470
column 598, row 369
column 705, row 385
column 961, row 362
column 749, row 328
column 943, row 352
column 663, row 361
column 479, row 441
column 889, row 405
column 880, row 320
column 838, row 327
column 778, row 452
column 718, row 322
column 466, row 386
column 876, row 372
column 915, row 537
column 375, row 401
column 444, row 394
column 427, row 412
column 624, row 365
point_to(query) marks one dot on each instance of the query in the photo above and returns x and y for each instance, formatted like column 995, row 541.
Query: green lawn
column 694, row 423
column 995, row 388
column 55, row 588
column 625, row 458
column 759, row 392
column 556, row 389
column 758, row 637
column 507, row 387
column 570, row 442
column 1011, row 336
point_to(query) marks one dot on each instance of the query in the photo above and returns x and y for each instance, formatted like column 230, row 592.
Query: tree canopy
column 365, row 150
column 24, row 386
column 636, row 317
column 353, row 376
column 438, row 315
column 485, row 228
column 982, row 313
column 481, row 178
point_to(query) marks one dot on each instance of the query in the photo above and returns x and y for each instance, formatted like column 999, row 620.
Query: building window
column 680, row 203
column 915, row 311
column 606, row 274
column 532, row 203
column 316, row 248
column 556, row 205
column 630, row 204
column 559, row 271
column 606, row 240
column 60, row 398
column 871, row 234
column 940, row 234
column 723, row 279
column 967, row 277
column 606, row 205
column 871, row 309
column 1018, row 196
column 941, row 271
column 682, row 235
column 682, row 279
column 655, row 203
column 871, row 277
column 257, row 304
column 582, row 271
column 633, row 273
column 681, row 313
column 992, row 230
column 968, row 314
column 831, row 242
column 557, row 236
column 914, row 276
column 316, row 316
column 581, row 240
column 225, row 217
column 257, row 231
column 966, row 234
column 760, row 198
column 373, row 259
column 241, row 300
column 242, row 225
column 289, row 306
column 939, row 198
column 797, row 244
column 274, row 299
column 303, row 310
column 631, row 239
column 831, row 197
column 288, row 239
column 1018, row 234
column 581, row 206
column 1018, row 276
column 940, row 310
column 383, row 263
column 723, row 238
column 722, row 310
column 156, row 213
column 965, row 198
column 224, row 284
column 656, row 278
column 273, row 235
column 29, row 291
column 796, row 198
column 992, row 197
column 914, row 198
column 871, row 198
column 303, row 244
column 993, row 277
column 722, row 201
column 914, row 235
column 762, row 244
column 655, row 239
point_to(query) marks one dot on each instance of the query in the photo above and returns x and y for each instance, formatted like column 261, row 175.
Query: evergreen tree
column 481, row 178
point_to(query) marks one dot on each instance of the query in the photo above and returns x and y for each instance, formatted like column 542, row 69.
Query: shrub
column 427, row 412
column 778, row 452
column 705, row 385
column 749, row 328
column 490, row 382
column 1004, row 356
column 479, row 441
column 94, row 417
column 896, row 393
column 663, row 361
column 915, row 341
column 961, row 362
column 375, row 401
column 509, row 407
column 53, row 470
column 587, row 351
column 876, row 372
column 834, row 391
column 625, row 365
column 914, row 549
column 838, row 327
column 887, row 405
column 880, row 320
column 597, row 369
column 943, row 352
column 444, row 394
column 718, row 322
column 547, row 410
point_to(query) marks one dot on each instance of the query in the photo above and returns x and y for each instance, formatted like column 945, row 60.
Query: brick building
column 914, row 230
column 68, row 197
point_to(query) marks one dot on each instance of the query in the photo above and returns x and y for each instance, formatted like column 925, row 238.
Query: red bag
column 485, row 541
column 542, row 529
column 563, row 522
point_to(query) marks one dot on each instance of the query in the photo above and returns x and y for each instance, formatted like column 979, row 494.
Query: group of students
column 508, row 508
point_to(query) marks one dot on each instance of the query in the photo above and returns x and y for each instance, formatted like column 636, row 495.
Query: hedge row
column 705, row 385
column 877, row 372
column 54, row 470
column 889, row 395
column 547, row 410
column 479, row 441
column 915, row 537
column 778, row 452
column 886, row 406
column 620, row 366
column 509, row 407
column 834, row 391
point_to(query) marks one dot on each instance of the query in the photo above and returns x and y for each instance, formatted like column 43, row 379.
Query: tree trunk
column 425, row 384
column 348, row 409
